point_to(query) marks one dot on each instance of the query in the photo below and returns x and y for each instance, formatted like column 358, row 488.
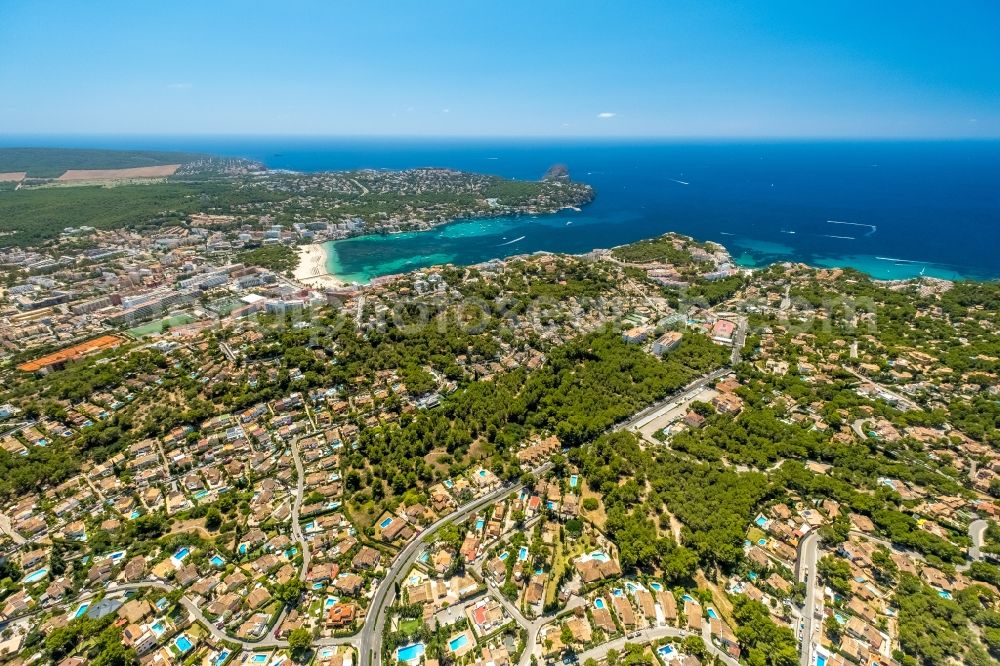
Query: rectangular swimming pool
column 458, row 642
column 183, row 643
column 410, row 652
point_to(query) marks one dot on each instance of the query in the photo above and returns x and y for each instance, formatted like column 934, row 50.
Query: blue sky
column 699, row 68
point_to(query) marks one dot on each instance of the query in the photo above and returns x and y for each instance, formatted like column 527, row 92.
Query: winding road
column 370, row 648
column 977, row 529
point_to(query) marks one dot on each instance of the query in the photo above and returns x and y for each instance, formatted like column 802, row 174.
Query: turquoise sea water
column 891, row 209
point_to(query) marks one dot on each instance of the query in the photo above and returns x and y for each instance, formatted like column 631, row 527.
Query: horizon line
column 496, row 137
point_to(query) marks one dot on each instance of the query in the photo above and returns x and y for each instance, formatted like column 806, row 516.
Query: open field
column 73, row 353
column 118, row 174
column 53, row 162
column 12, row 176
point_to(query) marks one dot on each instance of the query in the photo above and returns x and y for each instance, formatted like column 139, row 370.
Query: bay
column 892, row 209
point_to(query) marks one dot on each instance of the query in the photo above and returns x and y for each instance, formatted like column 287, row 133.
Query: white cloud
column 445, row 110
column 606, row 114
column 180, row 86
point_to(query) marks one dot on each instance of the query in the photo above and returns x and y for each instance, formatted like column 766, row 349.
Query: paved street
column 977, row 528
column 805, row 572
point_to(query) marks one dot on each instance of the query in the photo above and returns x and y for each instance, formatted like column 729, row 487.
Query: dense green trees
column 931, row 629
column 713, row 505
column 658, row 249
column 102, row 637
column 278, row 258
column 764, row 643
column 836, row 573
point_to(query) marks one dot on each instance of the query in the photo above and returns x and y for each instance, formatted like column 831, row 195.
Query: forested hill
column 53, row 162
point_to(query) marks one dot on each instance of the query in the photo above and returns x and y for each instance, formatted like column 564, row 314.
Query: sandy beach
column 312, row 268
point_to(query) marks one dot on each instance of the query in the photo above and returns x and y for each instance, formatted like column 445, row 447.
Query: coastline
column 312, row 268
column 445, row 243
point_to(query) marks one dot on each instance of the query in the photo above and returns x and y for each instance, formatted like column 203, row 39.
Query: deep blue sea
column 890, row 209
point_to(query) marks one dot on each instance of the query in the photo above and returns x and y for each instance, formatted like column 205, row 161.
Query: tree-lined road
column 805, row 572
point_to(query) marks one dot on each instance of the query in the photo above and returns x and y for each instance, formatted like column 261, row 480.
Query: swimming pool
column 182, row 553
column 820, row 660
column 665, row 650
column 600, row 556
column 217, row 561
column 183, row 643
column 81, row 610
column 550, row 505
column 522, row 553
column 221, row 658
column 458, row 642
column 201, row 494
column 482, row 474
column 425, row 556
column 617, row 592
column 504, row 555
column 385, row 523
column 259, row 658
column 35, row 576
column 599, row 603
column 712, row 614
column 688, row 597
column 761, row 521
column 326, row 653
column 479, row 525
column 761, row 542
column 319, row 585
column 656, row 586
column 572, row 481
column 410, row 652
column 448, row 483
column 632, row 587
column 329, row 602
column 242, row 549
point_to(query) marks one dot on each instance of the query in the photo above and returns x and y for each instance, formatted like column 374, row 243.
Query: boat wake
column 787, row 232
column 679, row 182
column 840, row 237
column 871, row 227
column 902, row 261
column 520, row 238
column 725, row 233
